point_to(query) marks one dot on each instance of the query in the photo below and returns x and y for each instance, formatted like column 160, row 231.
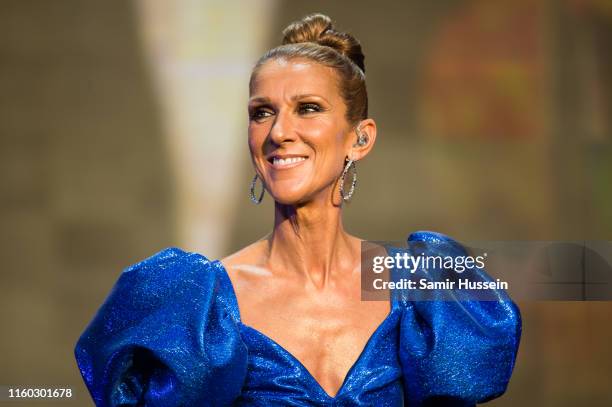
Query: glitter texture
column 170, row 334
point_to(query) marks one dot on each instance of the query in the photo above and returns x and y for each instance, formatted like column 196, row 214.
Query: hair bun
column 318, row 28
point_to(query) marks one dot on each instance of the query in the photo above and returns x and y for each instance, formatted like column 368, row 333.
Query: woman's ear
column 364, row 136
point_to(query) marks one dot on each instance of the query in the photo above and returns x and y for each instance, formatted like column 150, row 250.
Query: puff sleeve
column 454, row 350
column 165, row 336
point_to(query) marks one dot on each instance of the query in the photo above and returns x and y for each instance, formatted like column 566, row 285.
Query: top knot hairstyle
column 314, row 38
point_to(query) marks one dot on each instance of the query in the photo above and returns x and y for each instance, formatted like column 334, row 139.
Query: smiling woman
column 281, row 321
column 298, row 120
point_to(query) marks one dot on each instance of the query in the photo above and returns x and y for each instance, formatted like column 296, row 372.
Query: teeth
column 285, row 161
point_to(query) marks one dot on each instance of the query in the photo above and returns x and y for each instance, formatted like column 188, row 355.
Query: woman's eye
column 259, row 114
column 309, row 108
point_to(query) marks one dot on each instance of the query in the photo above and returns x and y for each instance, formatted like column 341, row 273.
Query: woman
column 281, row 322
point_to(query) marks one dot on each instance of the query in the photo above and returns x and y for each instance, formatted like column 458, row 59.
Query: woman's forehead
column 299, row 76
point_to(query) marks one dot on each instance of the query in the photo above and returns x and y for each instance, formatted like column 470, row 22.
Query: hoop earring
column 345, row 196
column 252, row 194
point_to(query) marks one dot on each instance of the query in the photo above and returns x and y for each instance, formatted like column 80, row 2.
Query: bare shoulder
column 246, row 266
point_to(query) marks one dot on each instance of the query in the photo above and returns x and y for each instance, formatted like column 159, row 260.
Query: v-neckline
column 290, row 355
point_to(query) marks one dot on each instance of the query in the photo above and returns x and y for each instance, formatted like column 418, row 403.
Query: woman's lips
column 279, row 163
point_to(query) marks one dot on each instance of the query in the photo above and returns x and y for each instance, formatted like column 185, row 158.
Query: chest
column 325, row 335
column 275, row 378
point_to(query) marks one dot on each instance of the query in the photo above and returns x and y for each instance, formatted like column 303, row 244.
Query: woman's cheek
column 255, row 142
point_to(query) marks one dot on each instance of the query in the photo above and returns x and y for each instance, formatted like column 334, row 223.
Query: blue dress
column 170, row 334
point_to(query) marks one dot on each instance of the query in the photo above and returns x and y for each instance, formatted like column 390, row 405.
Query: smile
column 286, row 162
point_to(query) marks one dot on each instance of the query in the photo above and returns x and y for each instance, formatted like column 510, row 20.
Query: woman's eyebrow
column 308, row 95
column 265, row 99
column 261, row 99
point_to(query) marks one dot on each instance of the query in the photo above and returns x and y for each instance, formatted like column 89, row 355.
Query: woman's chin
column 288, row 193
column 289, row 197
column 287, row 200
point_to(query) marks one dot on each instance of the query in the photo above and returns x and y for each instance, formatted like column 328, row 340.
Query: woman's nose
column 282, row 129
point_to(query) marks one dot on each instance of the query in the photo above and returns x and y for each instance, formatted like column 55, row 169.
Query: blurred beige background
column 123, row 131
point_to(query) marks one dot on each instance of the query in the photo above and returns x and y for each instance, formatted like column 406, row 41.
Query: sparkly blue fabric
column 170, row 334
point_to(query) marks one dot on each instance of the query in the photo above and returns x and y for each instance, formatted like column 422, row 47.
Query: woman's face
column 298, row 132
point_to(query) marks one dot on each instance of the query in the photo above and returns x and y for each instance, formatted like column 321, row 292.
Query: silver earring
column 362, row 139
column 252, row 194
column 347, row 196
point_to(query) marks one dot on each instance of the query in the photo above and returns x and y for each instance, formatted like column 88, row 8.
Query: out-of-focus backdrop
column 123, row 131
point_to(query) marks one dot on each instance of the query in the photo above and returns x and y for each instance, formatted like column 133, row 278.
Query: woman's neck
column 310, row 240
